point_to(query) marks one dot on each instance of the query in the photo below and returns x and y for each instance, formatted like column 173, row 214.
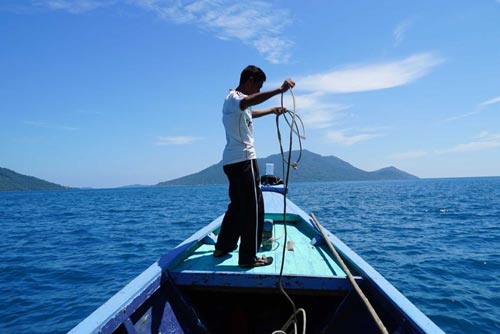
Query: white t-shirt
column 239, row 130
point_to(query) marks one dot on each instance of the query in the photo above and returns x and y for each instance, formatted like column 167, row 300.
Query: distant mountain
column 312, row 167
column 10, row 180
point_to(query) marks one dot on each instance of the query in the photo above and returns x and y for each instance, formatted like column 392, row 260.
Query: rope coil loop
column 291, row 118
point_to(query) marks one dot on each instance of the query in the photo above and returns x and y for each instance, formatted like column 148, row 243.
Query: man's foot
column 220, row 253
column 259, row 262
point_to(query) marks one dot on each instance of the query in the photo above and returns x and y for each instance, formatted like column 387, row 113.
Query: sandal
column 259, row 262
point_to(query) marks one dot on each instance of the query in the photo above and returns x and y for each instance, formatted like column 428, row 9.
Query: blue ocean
column 64, row 253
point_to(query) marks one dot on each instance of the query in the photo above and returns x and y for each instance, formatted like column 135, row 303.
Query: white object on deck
column 269, row 169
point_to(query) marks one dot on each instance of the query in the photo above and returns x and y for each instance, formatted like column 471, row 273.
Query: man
column 245, row 213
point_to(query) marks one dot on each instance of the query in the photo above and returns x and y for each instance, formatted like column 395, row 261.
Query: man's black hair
column 252, row 71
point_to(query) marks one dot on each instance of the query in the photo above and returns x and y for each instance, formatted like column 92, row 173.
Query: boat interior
column 203, row 294
column 237, row 300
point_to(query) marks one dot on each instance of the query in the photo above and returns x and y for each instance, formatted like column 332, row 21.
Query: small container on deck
column 267, row 235
column 269, row 169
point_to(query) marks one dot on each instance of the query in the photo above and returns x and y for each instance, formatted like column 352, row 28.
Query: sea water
column 64, row 253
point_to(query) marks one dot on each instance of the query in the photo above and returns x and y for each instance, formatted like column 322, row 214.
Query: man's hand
column 287, row 84
column 279, row 110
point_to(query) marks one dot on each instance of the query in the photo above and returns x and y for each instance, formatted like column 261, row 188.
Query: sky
column 108, row 93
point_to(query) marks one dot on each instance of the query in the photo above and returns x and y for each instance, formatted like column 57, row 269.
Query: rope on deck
column 292, row 321
column 355, row 285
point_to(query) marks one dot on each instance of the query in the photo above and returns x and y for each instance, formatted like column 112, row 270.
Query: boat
column 316, row 284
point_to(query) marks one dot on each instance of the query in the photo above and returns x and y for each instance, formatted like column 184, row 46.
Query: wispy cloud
column 261, row 25
column 315, row 90
column 491, row 101
column 400, row 31
column 317, row 113
column 368, row 77
column 457, row 117
column 47, row 125
column 484, row 141
column 347, row 137
column 479, row 108
column 73, row 6
column 177, row 140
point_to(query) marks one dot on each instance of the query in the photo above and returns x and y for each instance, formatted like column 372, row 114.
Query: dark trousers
column 245, row 213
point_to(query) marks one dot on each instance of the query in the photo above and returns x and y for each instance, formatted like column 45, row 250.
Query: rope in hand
column 294, row 129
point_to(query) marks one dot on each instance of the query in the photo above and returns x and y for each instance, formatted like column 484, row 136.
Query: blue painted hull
column 187, row 291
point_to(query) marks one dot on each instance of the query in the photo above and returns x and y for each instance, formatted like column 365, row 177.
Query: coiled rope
column 294, row 129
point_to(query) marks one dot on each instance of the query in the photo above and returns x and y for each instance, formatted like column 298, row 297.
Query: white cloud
column 261, row 26
column 368, row 77
column 178, row 140
column 474, row 146
column 343, row 138
column 316, row 113
column 491, row 101
column 454, row 118
column 479, row 108
column 400, row 31
column 484, row 141
column 319, row 113
column 74, row 6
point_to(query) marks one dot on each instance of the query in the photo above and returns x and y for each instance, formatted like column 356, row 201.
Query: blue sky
column 105, row 93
